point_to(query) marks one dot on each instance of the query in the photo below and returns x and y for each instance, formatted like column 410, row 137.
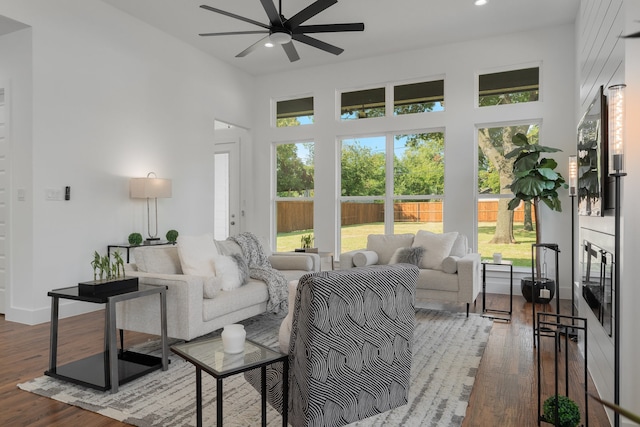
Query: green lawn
column 355, row 237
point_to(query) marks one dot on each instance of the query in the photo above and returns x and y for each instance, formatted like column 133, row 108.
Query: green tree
column 420, row 170
column 363, row 171
column 294, row 176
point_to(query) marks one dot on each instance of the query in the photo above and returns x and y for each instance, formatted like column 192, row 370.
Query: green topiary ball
column 172, row 236
column 135, row 238
column 568, row 411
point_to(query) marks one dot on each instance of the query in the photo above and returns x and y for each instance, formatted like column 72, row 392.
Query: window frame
column 274, row 109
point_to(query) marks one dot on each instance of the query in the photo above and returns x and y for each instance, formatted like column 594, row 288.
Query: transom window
column 294, row 112
column 362, row 104
column 418, row 97
column 509, row 87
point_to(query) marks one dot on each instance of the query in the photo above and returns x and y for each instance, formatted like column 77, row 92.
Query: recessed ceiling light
column 480, row 2
column 268, row 44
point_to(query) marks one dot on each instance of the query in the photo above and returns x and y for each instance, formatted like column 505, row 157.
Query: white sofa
column 189, row 313
column 448, row 271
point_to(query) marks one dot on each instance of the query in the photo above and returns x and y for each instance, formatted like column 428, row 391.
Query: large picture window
column 498, row 227
column 392, row 183
column 294, row 193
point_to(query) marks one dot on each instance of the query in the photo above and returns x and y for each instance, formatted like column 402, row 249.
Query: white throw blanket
column 260, row 269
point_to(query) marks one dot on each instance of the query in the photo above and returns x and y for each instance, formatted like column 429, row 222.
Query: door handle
column 233, row 223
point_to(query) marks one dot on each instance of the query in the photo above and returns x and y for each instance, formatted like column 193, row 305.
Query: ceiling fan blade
column 233, row 15
column 309, row 12
column 632, row 36
column 233, row 33
column 272, row 12
column 291, row 52
column 318, row 44
column 328, row 28
column 251, row 48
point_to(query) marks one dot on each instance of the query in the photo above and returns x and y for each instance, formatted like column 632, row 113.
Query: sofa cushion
column 386, row 244
column 364, row 258
column 225, row 302
column 460, row 247
column 450, row 264
column 437, row 247
column 161, row 260
column 196, row 254
column 411, row 255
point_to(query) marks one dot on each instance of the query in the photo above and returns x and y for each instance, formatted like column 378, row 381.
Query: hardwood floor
column 504, row 393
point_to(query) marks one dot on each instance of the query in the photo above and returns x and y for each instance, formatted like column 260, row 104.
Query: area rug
column 447, row 352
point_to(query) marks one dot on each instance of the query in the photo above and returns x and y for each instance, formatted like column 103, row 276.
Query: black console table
column 128, row 246
column 109, row 369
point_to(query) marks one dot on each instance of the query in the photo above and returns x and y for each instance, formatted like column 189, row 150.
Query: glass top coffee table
column 208, row 355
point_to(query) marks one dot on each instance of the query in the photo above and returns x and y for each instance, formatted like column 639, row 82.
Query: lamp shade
column 616, row 128
column 149, row 188
column 573, row 174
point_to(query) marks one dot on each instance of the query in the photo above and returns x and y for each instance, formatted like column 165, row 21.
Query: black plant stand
column 534, row 285
column 557, row 326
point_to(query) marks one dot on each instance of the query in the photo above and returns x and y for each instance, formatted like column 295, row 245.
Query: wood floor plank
column 504, row 393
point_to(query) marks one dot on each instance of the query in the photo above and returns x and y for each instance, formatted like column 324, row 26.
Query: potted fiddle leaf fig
column 535, row 180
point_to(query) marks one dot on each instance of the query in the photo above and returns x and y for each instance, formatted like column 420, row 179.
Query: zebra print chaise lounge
column 350, row 345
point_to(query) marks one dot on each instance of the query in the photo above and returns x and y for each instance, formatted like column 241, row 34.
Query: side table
column 109, row 369
column 208, row 355
column 485, row 309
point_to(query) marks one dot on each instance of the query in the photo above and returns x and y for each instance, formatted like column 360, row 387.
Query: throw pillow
column 196, row 255
column 386, row 244
column 412, row 255
column 450, row 264
column 363, row 258
column 437, row 247
column 460, row 246
column 232, row 271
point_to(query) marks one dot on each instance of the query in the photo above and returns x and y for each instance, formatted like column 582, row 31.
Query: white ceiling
column 390, row 26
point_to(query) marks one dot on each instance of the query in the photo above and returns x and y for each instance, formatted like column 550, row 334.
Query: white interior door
column 227, row 214
column 4, row 198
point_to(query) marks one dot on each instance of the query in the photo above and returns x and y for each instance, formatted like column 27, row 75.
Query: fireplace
column 597, row 283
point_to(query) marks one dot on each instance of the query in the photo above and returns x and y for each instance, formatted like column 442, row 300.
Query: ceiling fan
column 283, row 31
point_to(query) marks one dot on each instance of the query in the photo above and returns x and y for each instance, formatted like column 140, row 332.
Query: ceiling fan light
column 279, row 37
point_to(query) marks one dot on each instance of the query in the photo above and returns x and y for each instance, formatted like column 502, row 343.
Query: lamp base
column 152, row 239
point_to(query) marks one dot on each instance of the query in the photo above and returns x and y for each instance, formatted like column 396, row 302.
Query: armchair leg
column 468, row 309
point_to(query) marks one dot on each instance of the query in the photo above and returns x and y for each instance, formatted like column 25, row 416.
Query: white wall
column 630, row 318
column 605, row 59
column 113, row 98
column 551, row 48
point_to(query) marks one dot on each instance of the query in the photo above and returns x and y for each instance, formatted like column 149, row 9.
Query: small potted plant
column 568, row 411
column 172, row 236
column 135, row 239
column 306, row 242
column 106, row 277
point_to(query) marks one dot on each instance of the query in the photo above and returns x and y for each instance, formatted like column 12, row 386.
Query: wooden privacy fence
column 295, row 216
